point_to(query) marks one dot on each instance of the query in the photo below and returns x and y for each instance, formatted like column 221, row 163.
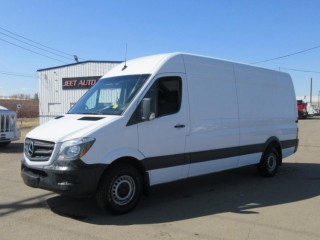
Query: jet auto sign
column 79, row 82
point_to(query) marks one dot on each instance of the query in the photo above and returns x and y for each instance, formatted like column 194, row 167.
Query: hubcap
column 123, row 190
column 271, row 162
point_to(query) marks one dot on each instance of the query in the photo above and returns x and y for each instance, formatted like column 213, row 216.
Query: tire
column 120, row 189
column 270, row 162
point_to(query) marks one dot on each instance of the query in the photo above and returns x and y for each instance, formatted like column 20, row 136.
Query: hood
column 69, row 126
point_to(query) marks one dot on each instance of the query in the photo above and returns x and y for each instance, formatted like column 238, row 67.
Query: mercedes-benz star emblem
column 31, row 148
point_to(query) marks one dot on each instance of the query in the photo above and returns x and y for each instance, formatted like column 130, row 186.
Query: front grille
column 7, row 122
column 37, row 150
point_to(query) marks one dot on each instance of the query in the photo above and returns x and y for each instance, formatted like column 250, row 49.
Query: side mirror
column 146, row 114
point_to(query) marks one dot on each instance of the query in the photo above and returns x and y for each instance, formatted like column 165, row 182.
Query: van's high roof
column 143, row 65
column 167, row 62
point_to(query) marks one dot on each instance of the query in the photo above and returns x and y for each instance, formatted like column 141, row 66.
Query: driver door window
column 165, row 96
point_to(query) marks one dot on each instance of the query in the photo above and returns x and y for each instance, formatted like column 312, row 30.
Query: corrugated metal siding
column 53, row 100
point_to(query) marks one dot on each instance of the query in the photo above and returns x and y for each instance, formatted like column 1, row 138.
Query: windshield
column 110, row 96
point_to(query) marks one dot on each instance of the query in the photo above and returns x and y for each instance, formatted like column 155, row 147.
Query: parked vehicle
column 164, row 118
column 310, row 110
column 302, row 109
column 8, row 126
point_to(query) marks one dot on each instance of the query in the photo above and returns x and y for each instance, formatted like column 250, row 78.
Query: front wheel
column 120, row 189
column 269, row 163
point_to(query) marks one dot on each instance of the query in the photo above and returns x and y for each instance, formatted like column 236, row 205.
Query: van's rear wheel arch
column 275, row 143
column 271, row 159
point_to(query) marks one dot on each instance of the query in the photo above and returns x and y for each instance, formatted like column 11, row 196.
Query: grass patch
column 24, row 123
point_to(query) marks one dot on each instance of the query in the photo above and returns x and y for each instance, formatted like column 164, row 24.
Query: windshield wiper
column 90, row 113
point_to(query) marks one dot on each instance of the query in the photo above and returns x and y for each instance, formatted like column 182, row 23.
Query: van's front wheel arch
column 270, row 161
column 120, row 189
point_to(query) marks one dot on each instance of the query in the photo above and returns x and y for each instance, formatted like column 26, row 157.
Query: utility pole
column 311, row 92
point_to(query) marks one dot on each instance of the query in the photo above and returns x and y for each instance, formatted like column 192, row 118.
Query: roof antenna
column 125, row 59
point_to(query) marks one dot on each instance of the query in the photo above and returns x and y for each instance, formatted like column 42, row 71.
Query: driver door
column 162, row 138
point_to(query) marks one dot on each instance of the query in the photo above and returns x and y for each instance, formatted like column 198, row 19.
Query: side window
column 165, row 96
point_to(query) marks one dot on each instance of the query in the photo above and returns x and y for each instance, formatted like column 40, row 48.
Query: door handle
column 179, row 126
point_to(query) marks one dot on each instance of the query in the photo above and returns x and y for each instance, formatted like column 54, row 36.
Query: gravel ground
column 237, row 204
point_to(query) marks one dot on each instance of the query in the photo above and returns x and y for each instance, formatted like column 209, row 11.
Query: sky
column 246, row 31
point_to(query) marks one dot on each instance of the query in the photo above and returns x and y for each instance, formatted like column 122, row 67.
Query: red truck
column 302, row 109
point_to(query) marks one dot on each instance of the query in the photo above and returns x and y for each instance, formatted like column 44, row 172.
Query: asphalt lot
column 237, row 204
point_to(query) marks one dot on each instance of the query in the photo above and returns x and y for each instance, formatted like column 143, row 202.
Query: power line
column 287, row 55
column 40, row 48
column 298, row 70
column 44, row 55
column 68, row 54
column 32, row 51
column 35, row 46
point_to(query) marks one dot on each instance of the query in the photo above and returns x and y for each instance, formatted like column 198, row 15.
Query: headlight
column 75, row 148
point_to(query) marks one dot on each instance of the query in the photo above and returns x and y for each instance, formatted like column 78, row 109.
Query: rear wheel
column 120, row 189
column 269, row 163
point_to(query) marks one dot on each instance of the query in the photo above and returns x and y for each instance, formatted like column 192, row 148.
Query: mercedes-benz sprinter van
column 163, row 118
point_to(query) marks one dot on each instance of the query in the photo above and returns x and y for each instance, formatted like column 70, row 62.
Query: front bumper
column 64, row 177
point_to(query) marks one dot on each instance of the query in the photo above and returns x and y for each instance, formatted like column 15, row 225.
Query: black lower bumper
column 64, row 177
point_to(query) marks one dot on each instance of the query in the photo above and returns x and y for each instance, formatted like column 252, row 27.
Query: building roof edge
column 73, row 64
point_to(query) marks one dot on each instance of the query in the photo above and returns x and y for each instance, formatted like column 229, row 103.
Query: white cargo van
column 163, row 118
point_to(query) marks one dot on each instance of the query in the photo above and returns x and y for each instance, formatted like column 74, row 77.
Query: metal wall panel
column 53, row 100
